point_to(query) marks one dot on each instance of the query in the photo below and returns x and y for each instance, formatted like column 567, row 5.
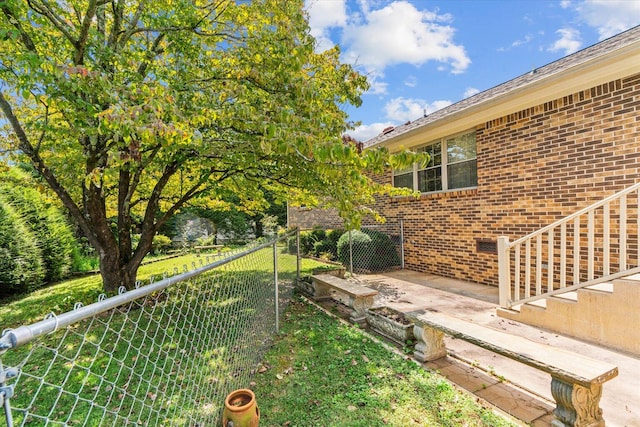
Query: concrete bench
column 576, row 380
column 360, row 297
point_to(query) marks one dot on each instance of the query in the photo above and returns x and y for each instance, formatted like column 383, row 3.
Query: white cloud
column 404, row 109
column 520, row 42
column 525, row 40
column 377, row 86
column 400, row 33
column 565, row 4
column 366, row 132
column 568, row 42
column 609, row 17
column 324, row 15
column 411, row 81
column 470, row 92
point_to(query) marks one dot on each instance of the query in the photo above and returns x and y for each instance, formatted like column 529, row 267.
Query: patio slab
column 505, row 381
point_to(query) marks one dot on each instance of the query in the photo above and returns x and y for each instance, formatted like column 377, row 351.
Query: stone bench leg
column 576, row 405
column 429, row 344
column 320, row 291
column 360, row 306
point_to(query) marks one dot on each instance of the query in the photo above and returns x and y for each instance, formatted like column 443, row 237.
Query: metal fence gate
column 164, row 354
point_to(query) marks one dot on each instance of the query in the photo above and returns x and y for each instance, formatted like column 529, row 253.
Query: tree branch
column 46, row 11
column 152, row 53
column 117, row 11
column 81, row 43
column 24, row 37
column 133, row 26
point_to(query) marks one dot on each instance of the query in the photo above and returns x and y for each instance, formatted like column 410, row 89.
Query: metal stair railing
column 594, row 245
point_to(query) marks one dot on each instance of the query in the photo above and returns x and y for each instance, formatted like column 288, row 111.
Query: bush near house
column 318, row 243
column 371, row 250
column 328, row 247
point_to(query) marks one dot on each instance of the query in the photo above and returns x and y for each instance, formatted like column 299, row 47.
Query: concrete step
column 595, row 313
column 567, row 296
column 601, row 287
column 541, row 303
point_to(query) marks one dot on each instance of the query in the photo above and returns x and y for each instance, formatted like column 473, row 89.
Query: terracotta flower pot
column 241, row 409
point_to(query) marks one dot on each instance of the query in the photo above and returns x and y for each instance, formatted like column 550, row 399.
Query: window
column 430, row 178
column 403, row 178
column 461, row 156
column 452, row 165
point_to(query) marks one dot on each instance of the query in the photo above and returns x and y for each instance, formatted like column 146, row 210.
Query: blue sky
column 424, row 55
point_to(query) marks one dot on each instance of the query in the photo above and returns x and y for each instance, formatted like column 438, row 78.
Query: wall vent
column 486, row 246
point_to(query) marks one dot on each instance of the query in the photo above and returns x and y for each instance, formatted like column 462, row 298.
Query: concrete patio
column 514, row 388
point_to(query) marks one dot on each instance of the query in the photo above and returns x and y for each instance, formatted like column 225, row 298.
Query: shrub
column 328, row 247
column 58, row 246
column 318, row 234
column 21, row 268
column 321, row 248
column 372, row 250
column 332, row 242
column 384, row 250
column 161, row 243
column 308, row 240
column 48, row 226
column 209, row 240
column 361, row 248
column 291, row 245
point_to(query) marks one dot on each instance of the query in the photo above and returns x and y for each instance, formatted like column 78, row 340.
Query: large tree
column 138, row 108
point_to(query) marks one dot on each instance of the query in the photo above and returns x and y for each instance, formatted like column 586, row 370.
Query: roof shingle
column 616, row 42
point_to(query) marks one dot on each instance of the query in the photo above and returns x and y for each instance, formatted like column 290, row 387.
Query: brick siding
column 307, row 219
column 535, row 166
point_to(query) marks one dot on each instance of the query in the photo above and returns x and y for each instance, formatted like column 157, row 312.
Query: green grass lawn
column 155, row 369
column 321, row 372
column 166, row 359
column 62, row 296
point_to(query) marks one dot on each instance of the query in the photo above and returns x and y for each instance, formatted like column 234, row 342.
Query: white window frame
column 443, row 165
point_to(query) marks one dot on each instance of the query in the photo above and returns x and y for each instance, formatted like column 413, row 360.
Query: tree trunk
column 116, row 273
column 259, row 231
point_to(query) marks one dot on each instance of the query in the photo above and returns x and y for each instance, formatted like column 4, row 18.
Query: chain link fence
column 373, row 248
column 163, row 354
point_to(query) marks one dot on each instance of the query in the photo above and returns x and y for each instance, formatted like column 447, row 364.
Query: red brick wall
column 534, row 167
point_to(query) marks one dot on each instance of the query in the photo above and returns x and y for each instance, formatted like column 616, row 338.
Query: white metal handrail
column 556, row 258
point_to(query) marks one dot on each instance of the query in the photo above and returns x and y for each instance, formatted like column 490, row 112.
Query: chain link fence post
column 298, row 256
column 350, row 254
column 6, row 392
column 275, row 284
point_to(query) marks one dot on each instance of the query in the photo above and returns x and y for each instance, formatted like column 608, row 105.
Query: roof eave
column 607, row 67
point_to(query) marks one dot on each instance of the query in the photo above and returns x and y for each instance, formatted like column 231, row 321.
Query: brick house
column 516, row 157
